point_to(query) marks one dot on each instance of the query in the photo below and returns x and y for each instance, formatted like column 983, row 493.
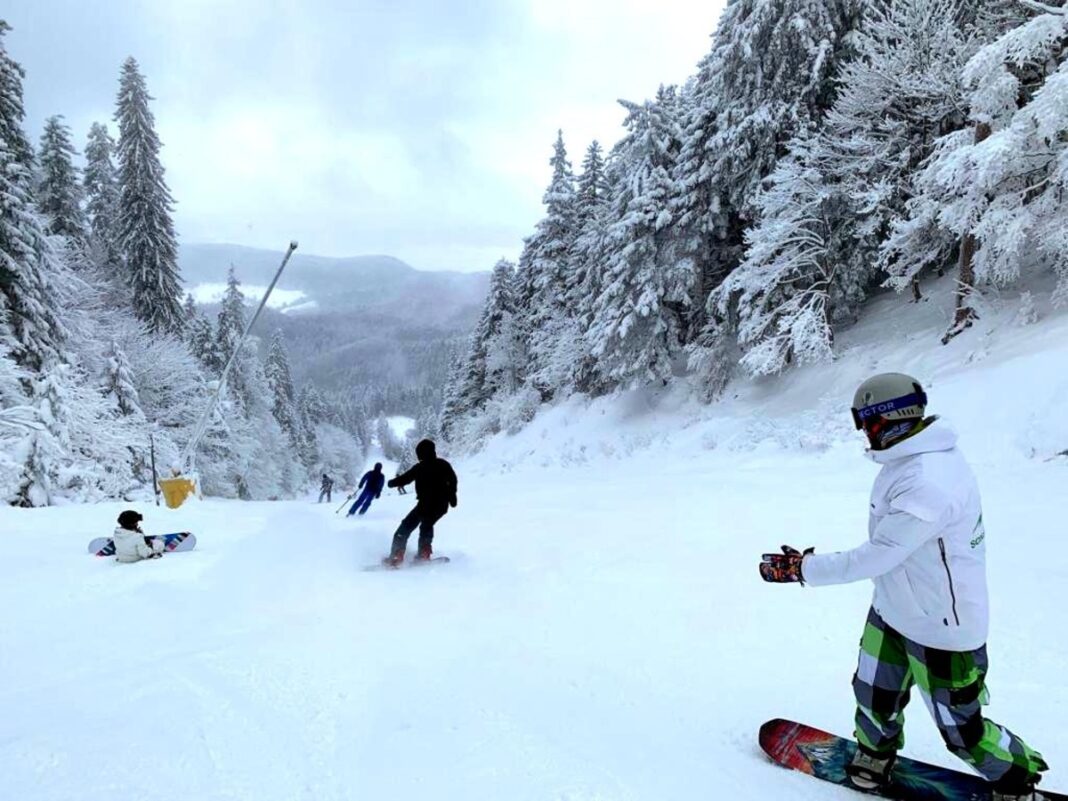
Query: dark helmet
column 130, row 519
column 378, row 467
column 425, row 450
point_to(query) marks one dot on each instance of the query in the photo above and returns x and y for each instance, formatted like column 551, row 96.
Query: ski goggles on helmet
column 863, row 415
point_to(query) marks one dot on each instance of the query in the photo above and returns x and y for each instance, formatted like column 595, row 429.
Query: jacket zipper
column 949, row 575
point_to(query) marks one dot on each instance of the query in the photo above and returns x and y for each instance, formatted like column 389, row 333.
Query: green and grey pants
column 953, row 687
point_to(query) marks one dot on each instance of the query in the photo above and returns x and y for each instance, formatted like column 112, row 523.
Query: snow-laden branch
column 1044, row 8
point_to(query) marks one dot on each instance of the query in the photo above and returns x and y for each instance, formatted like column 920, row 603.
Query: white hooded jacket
column 926, row 549
column 130, row 546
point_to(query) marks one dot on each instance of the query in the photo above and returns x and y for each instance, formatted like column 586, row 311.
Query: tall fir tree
column 284, row 398
column 59, row 189
column 543, row 276
column 638, row 319
column 102, row 201
column 11, row 108
column 146, row 230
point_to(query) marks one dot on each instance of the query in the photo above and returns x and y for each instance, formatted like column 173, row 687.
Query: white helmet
column 888, row 407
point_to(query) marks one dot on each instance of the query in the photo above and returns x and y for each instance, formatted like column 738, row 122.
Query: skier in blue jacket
column 371, row 483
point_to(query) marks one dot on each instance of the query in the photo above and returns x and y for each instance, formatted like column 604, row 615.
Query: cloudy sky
column 413, row 128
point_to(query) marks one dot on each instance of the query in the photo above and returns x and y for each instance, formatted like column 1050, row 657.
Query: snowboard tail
column 179, row 541
column 825, row 756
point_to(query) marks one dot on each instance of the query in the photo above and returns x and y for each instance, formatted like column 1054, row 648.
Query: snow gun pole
column 155, row 477
column 187, row 455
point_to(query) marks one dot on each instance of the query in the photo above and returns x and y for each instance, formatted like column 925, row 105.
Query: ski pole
column 345, row 502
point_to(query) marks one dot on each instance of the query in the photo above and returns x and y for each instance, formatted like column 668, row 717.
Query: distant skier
column 929, row 619
column 131, row 544
column 371, row 483
column 326, row 488
column 435, row 491
column 402, row 468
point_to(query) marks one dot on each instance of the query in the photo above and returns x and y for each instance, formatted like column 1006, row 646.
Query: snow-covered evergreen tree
column 770, row 75
column 543, row 278
column 59, row 190
column 635, row 331
column 280, row 380
column 102, row 201
column 998, row 186
column 813, row 256
column 120, row 384
column 592, row 217
column 11, row 107
column 145, row 230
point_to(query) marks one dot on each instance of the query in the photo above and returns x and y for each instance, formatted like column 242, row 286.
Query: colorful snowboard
column 436, row 560
column 825, row 756
column 181, row 541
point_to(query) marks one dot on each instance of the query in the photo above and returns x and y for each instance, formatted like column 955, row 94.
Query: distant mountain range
column 331, row 284
column 351, row 324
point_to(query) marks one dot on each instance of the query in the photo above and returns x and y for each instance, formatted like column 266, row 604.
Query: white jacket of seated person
column 130, row 546
column 926, row 549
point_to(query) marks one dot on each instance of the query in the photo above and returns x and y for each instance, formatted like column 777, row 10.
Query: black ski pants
column 423, row 517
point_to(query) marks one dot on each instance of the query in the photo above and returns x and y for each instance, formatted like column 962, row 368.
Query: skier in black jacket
column 435, row 489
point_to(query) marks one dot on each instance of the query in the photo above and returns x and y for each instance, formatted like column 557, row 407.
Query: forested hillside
column 824, row 153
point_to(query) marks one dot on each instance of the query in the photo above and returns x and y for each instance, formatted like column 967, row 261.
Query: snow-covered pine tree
column 27, row 260
column 812, row 258
column 491, row 366
column 11, row 108
column 120, row 384
column 102, row 195
column 146, row 230
column 770, row 74
column 772, row 71
column 781, row 295
column 231, row 321
column 543, row 279
column 592, row 213
column 59, row 189
column 635, row 331
column 998, row 185
column 280, row 380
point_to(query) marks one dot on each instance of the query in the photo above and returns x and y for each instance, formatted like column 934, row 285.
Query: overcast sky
column 413, row 128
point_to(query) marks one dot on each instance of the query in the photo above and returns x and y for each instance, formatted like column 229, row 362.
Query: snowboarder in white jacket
column 928, row 623
column 131, row 544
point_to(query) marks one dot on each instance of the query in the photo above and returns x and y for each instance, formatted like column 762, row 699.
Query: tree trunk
column 965, row 313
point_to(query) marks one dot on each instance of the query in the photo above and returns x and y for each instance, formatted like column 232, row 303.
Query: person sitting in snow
column 131, row 544
column 930, row 615
column 435, row 491
column 371, row 482
column 325, row 488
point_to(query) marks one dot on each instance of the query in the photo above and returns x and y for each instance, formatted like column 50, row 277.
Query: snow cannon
column 183, row 483
column 177, row 489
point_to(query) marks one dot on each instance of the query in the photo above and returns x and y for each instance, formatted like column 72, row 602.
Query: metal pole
column 155, row 478
column 202, row 424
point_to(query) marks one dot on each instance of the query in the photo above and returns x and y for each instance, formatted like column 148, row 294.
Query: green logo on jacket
column 979, row 533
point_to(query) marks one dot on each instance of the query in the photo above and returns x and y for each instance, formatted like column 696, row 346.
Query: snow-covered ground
column 601, row 632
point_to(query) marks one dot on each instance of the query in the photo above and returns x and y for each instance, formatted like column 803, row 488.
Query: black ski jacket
column 435, row 482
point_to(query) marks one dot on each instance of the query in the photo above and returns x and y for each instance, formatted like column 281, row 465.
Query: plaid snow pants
column 953, row 686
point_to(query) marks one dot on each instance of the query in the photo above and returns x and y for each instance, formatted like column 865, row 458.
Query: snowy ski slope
column 600, row 634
